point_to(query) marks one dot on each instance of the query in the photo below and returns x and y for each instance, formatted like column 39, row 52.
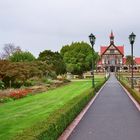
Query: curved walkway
column 112, row 116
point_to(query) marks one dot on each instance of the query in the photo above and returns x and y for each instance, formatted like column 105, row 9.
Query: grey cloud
column 36, row 25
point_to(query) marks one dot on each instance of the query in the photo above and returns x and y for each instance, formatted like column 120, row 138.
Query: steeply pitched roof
column 121, row 49
column 124, row 61
column 103, row 49
column 137, row 60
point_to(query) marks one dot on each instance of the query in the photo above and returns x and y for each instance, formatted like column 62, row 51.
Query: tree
column 21, row 56
column 8, row 50
column 129, row 61
column 54, row 59
column 97, row 59
column 18, row 73
column 78, row 57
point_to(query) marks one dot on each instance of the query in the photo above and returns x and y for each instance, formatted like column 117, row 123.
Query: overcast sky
column 36, row 25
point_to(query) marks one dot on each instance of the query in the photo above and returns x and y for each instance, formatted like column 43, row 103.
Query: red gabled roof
column 121, row 49
column 137, row 60
column 124, row 60
column 103, row 49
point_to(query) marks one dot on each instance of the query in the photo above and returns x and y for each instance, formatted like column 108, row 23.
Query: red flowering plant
column 19, row 94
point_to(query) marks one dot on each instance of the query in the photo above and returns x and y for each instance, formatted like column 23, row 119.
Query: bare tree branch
column 8, row 50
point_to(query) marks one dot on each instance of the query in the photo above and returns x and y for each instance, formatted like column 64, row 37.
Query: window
column 112, row 62
column 111, row 51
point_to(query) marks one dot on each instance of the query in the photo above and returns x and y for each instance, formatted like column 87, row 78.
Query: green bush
column 131, row 91
column 2, row 85
column 66, row 80
column 17, row 84
column 5, row 99
column 99, row 85
column 55, row 124
column 46, row 80
column 29, row 83
column 52, row 75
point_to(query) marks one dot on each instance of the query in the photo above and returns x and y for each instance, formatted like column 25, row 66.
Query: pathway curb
column 131, row 97
column 70, row 128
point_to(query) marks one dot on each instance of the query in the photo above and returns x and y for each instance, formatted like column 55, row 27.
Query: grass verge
column 133, row 92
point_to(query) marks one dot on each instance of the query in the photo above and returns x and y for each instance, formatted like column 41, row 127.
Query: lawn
column 21, row 114
column 127, row 84
column 99, row 75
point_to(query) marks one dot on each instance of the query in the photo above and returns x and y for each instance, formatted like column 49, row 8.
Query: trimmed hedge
column 56, row 123
column 131, row 91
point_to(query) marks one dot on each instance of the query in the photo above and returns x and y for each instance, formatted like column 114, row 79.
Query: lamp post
column 92, row 39
column 132, row 37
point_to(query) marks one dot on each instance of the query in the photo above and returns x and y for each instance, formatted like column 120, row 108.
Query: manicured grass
column 21, row 114
column 124, row 81
column 128, row 74
column 99, row 76
column 133, row 92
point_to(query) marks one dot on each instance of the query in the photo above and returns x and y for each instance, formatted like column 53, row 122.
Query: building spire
column 111, row 38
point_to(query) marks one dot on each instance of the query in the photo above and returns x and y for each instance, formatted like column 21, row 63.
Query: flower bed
column 15, row 94
column 19, row 94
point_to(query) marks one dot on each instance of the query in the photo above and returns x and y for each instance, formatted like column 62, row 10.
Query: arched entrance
column 112, row 68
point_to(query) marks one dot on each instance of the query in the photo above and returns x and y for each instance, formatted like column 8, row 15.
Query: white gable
column 112, row 50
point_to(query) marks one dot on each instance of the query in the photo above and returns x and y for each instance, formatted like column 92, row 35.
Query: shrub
column 55, row 124
column 17, row 84
column 19, row 94
column 66, row 80
column 2, row 85
column 5, row 99
column 28, row 83
column 99, row 85
column 46, row 80
column 52, row 75
column 20, row 56
column 131, row 91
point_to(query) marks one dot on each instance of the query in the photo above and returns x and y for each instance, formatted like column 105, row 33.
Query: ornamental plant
column 2, row 85
column 19, row 94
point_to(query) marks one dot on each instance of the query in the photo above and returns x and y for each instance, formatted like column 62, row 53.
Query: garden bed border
column 130, row 96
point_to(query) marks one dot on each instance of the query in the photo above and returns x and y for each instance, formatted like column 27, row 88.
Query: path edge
column 131, row 97
column 67, row 132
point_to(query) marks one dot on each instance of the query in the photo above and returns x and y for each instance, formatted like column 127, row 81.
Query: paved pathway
column 112, row 116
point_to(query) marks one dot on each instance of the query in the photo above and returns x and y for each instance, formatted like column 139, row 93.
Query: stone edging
column 70, row 128
column 131, row 97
